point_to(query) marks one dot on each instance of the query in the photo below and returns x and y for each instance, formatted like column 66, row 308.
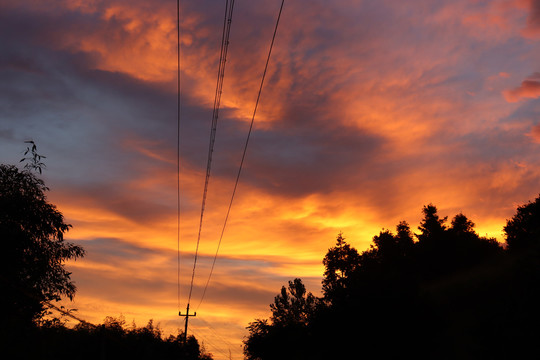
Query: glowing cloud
column 529, row 88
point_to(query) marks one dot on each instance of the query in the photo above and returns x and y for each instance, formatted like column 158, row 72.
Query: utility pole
column 186, row 315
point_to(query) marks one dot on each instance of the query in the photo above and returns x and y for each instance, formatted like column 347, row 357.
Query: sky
column 370, row 110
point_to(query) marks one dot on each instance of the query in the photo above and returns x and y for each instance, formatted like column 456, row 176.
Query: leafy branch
column 34, row 160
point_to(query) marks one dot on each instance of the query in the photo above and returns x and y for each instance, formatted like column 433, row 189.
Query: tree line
column 442, row 293
column 112, row 339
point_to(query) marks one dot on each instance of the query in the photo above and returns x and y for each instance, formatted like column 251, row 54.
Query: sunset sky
column 371, row 109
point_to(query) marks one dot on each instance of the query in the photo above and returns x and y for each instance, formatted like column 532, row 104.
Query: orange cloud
column 529, row 88
column 535, row 133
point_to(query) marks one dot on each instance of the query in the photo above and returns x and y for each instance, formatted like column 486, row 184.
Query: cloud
column 529, row 88
column 535, row 133
column 113, row 266
column 532, row 29
column 366, row 115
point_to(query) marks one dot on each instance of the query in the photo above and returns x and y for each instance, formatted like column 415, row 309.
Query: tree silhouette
column 432, row 227
column 523, row 230
column 33, row 248
column 293, row 305
column 340, row 262
column 288, row 326
column 519, row 279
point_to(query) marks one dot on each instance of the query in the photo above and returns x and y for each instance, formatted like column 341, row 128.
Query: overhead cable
column 229, row 5
column 244, row 152
column 178, row 154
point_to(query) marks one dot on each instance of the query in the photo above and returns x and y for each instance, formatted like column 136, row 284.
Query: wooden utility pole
column 186, row 315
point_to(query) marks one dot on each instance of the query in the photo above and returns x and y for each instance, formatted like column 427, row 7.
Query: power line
column 178, row 153
column 245, row 150
column 216, row 348
column 214, row 331
column 68, row 314
column 30, row 294
column 227, row 20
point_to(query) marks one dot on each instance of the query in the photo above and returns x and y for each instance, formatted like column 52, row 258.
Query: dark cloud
column 15, row 63
column 112, row 250
column 300, row 161
column 533, row 19
column 58, row 97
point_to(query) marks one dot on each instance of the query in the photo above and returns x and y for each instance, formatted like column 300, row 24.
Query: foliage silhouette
column 523, row 230
column 340, row 262
column 34, row 162
column 293, row 305
column 448, row 294
column 110, row 340
column 33, row 249
column 288, row 326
